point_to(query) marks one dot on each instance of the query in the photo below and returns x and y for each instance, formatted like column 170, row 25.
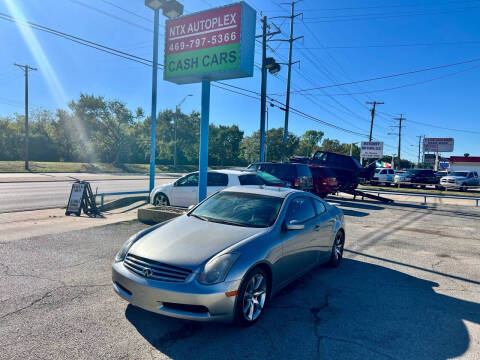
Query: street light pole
column 177, row 109
column 153, row 125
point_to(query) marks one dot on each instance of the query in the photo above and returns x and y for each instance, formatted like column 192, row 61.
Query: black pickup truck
column 348, row 170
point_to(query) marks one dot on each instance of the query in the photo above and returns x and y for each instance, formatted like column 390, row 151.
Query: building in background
column 465, row 163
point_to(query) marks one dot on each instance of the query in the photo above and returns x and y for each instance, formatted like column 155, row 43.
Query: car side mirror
column 294, row 225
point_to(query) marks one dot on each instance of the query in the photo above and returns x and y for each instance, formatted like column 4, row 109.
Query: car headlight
column 125, row 247
column 132, row 239
column 217, row 269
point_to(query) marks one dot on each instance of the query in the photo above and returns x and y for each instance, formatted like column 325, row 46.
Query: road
column 408, row 288
column 43, row 195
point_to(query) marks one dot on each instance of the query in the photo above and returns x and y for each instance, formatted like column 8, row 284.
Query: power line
column 127, row 11
column 400, row 86
column 445, row 128
column 392, row 45
column 391, row 76
column 106, row 13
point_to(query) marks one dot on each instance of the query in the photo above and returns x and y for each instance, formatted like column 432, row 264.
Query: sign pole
column 153, row 125
column 203, row 158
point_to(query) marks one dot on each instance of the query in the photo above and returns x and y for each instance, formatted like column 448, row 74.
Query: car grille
column 155, row 270
column 449, row 181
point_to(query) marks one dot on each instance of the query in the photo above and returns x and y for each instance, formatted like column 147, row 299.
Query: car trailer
column 356, row 193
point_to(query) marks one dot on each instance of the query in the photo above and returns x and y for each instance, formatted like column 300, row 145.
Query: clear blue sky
column 344, row 40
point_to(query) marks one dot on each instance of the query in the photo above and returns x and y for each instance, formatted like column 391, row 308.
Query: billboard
column 215, row 44
column 438, row 144
column 430, row 159
column 371, row 149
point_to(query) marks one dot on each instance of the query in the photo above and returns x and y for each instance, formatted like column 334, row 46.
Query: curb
column 154, row 215
column 119, row 203
column 89, row 180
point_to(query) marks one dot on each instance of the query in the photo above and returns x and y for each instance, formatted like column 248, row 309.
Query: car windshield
column 241, row 209
column 412, row 172
column 268, row 178
column 459, row 173
column 378, row 171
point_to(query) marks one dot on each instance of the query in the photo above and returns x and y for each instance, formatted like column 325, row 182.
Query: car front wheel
column 252, row 297
column 161, row 200
column 337, row 249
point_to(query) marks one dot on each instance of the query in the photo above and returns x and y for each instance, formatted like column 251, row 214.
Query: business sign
column 371, row 149
column 75, row 200
column 215, row 44
column 438, row 144
column 430, row 159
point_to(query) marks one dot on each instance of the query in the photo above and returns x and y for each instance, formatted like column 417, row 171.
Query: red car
column 324, row 180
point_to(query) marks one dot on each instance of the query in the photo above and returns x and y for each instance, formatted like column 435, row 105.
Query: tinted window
column 321, row 157
column 189, row 180
column 254, row 166
column 281, row 171
column 391, row 172
column 241, row 209
column 459, row 173
column 268, row 178
column 300, row 209
column 303, row 170
column 250, row 179
column 319, row 207
column 217, row 179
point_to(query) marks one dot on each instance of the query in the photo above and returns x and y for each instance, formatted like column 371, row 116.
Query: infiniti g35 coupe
column 224, row 259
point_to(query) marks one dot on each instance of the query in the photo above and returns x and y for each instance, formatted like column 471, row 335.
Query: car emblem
column 147, row 272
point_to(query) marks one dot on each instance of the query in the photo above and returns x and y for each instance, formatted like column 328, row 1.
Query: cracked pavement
column 408, row 288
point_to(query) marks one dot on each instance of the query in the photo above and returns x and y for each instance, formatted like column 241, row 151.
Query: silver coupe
column 225, row 258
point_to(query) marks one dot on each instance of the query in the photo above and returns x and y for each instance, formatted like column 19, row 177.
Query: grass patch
column 74, row 167
column 418, row 191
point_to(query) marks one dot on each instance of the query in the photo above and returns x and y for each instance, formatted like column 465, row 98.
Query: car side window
column 217, row 179
column 189, row 180
column 300, row 209
column 319, row 207
column 391, row 172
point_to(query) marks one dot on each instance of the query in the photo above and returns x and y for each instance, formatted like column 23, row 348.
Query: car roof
column 281, row 192
column 231, row 171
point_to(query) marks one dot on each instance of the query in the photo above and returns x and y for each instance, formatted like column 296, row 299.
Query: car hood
column 189, row 242
column 454, row 178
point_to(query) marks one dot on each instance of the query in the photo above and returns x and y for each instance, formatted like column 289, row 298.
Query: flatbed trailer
column 356, row 193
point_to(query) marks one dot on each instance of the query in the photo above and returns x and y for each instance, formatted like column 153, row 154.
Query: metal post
column 153, row 126
column 26, row 119
column 203, row 158
column 263, row 92
column 175, row 139
column 289, row 79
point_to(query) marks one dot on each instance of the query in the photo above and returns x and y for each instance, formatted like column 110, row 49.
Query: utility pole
column 374, row 103
column 26, row 69
column 273, row 67
column 290, row 40
column 400, row 119
column 419, row 147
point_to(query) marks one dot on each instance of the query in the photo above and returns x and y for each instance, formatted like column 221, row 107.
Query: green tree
column 224, row 145
column 309, row 142
column 250, row 147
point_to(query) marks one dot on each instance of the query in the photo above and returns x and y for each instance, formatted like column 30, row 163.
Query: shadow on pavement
column 358, row 311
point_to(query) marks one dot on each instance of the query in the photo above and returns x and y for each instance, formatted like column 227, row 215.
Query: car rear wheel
column 252, row 297
column 161, row 200
column 463, row 188
column 337, row 249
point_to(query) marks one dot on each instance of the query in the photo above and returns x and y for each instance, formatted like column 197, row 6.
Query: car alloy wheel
column 161, row 200
column 337, row 249
column 252, row 297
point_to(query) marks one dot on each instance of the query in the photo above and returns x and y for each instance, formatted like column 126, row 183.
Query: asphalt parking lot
column 409, row 288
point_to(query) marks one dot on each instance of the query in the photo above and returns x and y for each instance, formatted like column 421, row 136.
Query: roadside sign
column 371, row 149
column 215, row 44
column 75, row 200
column 438, row 144
column 430, row 159
column 81, row 197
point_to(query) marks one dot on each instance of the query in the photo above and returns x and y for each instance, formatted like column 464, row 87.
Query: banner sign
column 430, row 159
column 438, row 144
column 215, row 44
column 371, row 149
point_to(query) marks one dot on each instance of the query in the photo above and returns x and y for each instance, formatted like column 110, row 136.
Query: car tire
column 252, row 297
column 161, row 199
column 337, row 249
column 463, row 188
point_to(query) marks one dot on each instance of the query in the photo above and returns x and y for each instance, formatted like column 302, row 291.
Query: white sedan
column 184, row 191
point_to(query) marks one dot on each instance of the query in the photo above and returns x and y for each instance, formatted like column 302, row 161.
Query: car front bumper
column 187, row 300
